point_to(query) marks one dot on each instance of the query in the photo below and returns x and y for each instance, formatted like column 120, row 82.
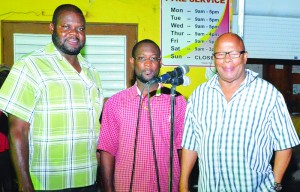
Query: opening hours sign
column 189, row 29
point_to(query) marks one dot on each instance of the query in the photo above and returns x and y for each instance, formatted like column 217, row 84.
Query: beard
column 143, row 79
column 60, row 44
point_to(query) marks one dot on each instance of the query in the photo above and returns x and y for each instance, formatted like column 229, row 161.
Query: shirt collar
column 51, row 49
column 134, row 91
column 250, row 76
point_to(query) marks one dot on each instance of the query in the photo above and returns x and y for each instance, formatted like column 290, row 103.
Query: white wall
column 269, row 28
column 282, row 8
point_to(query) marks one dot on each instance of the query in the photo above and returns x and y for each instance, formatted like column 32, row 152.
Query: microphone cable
column 153, row 142
column 152, row 138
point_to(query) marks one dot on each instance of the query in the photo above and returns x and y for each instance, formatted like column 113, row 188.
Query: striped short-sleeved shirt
column 117, row 136
column 235, row 140
column 63, row 108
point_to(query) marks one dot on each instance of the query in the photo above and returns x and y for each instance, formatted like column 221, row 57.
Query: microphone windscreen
column 186, row 81
column 185, row 69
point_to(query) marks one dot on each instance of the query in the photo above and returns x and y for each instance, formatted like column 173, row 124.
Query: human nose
column 73, row 31
column 227, row 56
column 148, row 61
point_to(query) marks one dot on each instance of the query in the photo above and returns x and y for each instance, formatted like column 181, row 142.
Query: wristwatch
column 277, row 186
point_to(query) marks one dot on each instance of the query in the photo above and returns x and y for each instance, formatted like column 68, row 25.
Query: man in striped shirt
column 54, row 99
column 233, row 124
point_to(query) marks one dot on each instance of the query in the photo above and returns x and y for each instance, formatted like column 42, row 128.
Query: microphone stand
column 175, row 82
column 173, row 93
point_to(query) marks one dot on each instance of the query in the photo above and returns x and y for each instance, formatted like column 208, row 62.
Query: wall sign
column 189, row 29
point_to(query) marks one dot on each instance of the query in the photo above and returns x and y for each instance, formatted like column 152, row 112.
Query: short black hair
column 65, row 7
column 141, row 42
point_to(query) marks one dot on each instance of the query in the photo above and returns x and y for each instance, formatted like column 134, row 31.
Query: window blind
column 107, row 53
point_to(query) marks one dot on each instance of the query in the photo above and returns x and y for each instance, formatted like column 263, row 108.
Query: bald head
column 229, row 37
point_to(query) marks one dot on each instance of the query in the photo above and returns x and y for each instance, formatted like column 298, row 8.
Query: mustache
column 73, row 37
column 142, row 79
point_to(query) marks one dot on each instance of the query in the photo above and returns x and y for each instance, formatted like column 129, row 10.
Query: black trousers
column 7, row 175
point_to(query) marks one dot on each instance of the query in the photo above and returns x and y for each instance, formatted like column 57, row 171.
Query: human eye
column 154, row 59
column 219, row 55
column 65, row 27
column 81, row 28
column 234, row 54
column 141, row 59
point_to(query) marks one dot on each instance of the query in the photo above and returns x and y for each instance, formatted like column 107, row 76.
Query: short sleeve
column 19, row 91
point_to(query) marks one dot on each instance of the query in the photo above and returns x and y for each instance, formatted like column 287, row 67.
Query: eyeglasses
column 152, row 59
column 232, row 54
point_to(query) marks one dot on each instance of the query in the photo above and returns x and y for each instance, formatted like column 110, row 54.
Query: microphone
column 177, row 72
column 183, row 80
